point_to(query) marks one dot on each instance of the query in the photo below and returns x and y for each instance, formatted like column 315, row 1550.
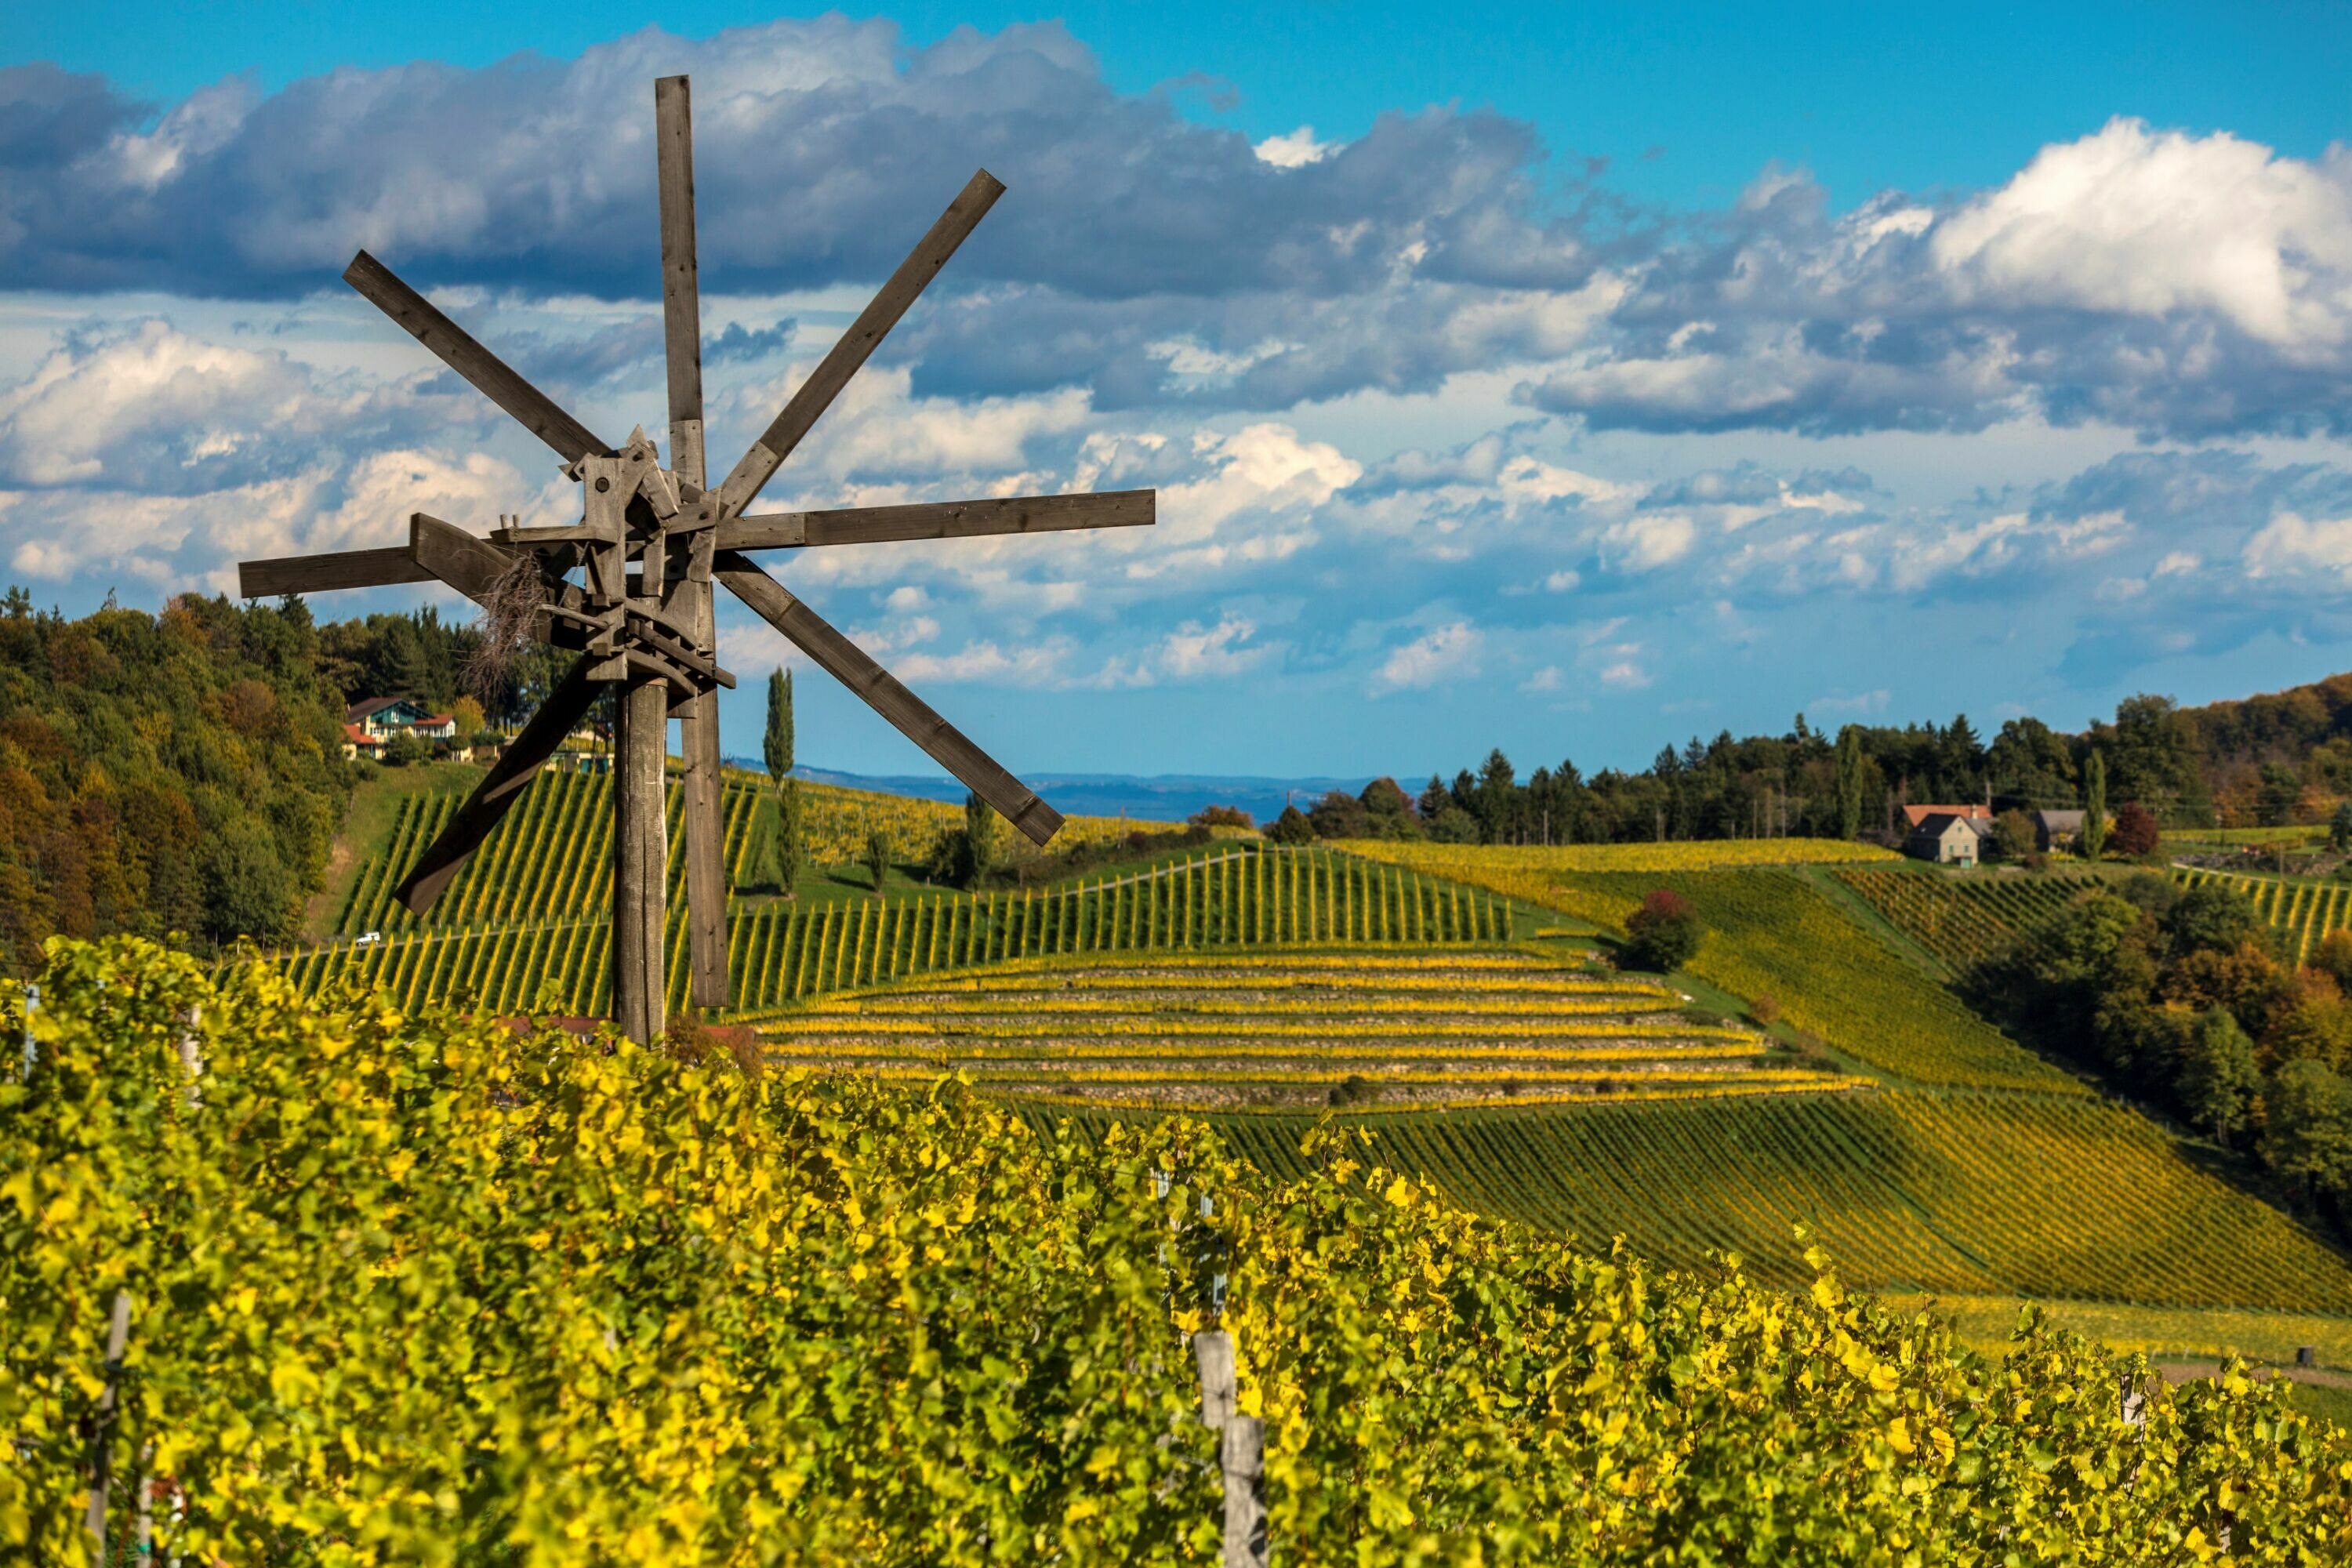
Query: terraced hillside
column 1420, row 1029
column 1772, row 932
column 778, row 952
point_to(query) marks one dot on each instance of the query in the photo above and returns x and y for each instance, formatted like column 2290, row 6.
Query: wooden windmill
column 650, row 542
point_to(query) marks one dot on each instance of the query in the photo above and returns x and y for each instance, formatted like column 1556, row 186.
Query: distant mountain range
column 1168, row 797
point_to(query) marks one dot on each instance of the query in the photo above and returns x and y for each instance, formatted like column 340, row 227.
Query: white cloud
column 1624, row 675
column 1446, row 653
column 2289, row 544
column 1563, row 581
column 2177, row 562
column 2140, row 221
column 978, row 661
column 1647, row 541
column 1294, row 149
column 1547, row 679
column 1193, row 652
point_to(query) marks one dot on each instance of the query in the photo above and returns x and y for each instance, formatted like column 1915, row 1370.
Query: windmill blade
column 324, row 574
column 940, row 520
column 472, row 822
column 881, row 313
column 681, row 281
column 880, row 690
column 706, row 848
column 490, row 376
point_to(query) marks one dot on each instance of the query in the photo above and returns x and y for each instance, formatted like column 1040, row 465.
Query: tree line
column 2277, row 758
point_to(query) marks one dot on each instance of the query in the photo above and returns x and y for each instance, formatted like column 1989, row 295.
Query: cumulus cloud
column 2185, row 284
column 1449, row 652
column 2289, row 545
column 1293, row 149
column 2174, row 282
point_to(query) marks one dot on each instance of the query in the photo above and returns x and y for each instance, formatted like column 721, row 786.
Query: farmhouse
column 384, row 717
column 1948, row 839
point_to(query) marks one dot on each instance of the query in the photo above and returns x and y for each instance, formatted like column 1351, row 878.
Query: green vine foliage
column 418, row 1288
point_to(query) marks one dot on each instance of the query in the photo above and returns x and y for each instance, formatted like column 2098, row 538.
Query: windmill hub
column 651, row 631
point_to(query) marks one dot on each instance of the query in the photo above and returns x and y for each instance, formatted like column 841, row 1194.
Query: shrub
column 877, row 857
column 404, row 749
column 2013, row 837
column 1354, row 1090
column 1339, row 815
column 1223, row 816
column 1453, row 826
column 1764, row 1009
column 1664, row 934
column 1291, row 827
column 2135, row 833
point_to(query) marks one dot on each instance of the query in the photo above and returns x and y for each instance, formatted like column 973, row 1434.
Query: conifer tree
column 790, row 854
column 776, row 745
column 1848, row 781
column 2094, row 805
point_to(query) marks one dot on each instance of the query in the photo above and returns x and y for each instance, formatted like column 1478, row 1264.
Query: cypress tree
column 2094, row 804
column 776, row 745
column 790, row 855
column 1849, row 782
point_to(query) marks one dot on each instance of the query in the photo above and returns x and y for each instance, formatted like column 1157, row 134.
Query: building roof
column 1916, row 815
column 357, row 736
column 360, row 711
column 2061, row 820
column 1938, row 823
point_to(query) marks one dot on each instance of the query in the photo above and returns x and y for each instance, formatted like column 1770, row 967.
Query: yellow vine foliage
column 419, row 1289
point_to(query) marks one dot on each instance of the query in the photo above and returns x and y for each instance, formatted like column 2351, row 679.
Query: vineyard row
column 779, row 953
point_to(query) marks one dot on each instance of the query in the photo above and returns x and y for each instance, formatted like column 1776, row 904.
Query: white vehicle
column 367, row 939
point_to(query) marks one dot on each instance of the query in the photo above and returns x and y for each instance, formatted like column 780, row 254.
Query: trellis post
column 1241, row 1451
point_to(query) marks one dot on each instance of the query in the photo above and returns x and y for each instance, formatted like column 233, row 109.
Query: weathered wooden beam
column 472, row 565
column 640, row 860
column 817, row 393
column 490, row 376
column 681, row 281
column 326, row 574
column 940, row 520
column 541, row 739
column 881, row 690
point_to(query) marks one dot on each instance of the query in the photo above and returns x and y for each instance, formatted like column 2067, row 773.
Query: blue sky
column 1566, row 381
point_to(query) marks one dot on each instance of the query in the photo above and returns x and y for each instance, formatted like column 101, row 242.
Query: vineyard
column 395, row 1290
column 549, row 859
column 1419, row 1029
column 2302, row 909
column 1770, row 932
column 779, row 951
column 1967, row 1195
column 1964, row 920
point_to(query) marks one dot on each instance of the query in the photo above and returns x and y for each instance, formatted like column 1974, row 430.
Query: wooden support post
column 706, row 858
column 640, row 859
column 1241, row 1451
column 101, row 1442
